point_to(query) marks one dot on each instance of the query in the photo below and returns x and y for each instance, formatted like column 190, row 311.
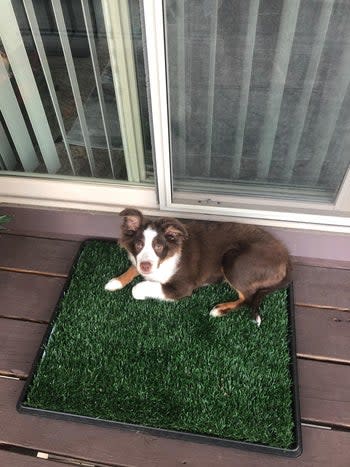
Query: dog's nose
column 145, row 266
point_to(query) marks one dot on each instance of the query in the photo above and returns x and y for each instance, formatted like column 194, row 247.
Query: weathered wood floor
column 33, row 268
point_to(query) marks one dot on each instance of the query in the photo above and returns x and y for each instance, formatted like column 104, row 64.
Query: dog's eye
column 170, row 238
column 138, row 245
column 158, row 247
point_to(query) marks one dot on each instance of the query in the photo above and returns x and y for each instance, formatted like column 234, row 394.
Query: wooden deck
column 35, row 258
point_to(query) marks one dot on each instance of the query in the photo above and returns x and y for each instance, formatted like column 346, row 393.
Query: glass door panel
column 73, row 97
column 259, row 97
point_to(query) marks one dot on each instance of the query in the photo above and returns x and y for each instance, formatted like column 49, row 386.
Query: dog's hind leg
column 253, row 272
column 254, row 303
column 223, row 309
column 121, row 281
column 255, row 300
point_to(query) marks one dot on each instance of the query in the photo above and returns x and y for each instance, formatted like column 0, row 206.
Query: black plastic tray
column 294, row 451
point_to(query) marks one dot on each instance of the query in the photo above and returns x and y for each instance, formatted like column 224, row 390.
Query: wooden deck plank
column 19, row 343
column 323, row 333
column 63, row 224
column 318, row 286
column 42, row 255
column 29, row 296
column 324, row 388
column 324, row 392
column 13, row 459
column 113, row 446
column 315, row 286
column 33, row 297
column 78, row 224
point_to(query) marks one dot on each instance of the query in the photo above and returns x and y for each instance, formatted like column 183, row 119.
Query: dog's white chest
column 165, row 271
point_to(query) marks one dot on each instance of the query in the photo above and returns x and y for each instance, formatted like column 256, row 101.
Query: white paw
column 216, row 313
column 113, row 284
column 257, row 321
column 148, row 289
column 139, row 291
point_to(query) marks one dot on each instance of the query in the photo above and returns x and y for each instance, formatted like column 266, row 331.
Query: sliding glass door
column 237, row 108
column 73, row 98
column 259, row 99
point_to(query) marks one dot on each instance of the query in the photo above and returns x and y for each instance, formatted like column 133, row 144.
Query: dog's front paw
column 140, row 291
column 148, row 289
column 113, row 284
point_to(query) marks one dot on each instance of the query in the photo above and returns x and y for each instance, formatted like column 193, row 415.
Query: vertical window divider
column 181, row 78
column 211, row 85
column 119, row 37
column 157, row 78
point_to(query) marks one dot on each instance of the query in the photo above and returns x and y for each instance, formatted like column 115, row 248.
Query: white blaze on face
column 159, row 271
column 147, row 254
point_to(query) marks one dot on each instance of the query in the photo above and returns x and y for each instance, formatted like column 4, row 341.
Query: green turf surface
column 166, row 365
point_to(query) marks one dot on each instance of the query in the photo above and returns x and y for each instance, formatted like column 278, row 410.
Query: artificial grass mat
column 166, row 364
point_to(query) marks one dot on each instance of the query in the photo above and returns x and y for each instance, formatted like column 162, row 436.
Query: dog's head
column 150, row 243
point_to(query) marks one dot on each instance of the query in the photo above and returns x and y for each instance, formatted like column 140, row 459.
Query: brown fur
column 249, row 258
column 128, row 276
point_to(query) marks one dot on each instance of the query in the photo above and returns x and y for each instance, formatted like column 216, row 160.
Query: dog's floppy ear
column 173, row 230
column 133, row 219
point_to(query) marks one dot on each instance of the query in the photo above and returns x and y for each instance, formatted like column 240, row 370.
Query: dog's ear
column 132, row 221
column 174, row 230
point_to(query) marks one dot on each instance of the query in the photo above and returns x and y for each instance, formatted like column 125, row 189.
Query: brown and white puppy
column 176, row 258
